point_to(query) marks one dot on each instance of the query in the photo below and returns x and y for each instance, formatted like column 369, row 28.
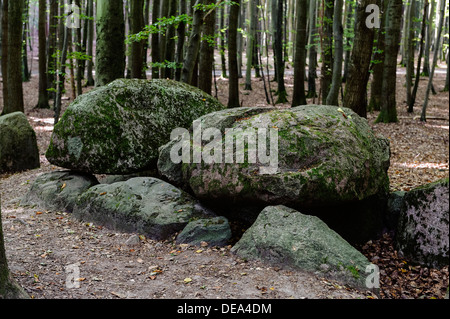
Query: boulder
column 58, row 190
column 144, row 205
column 117, row 129
column 322, row 160
column 423, row 228
column 324, row 156
column 282, row 236
column 215, row 231
column 18, row 145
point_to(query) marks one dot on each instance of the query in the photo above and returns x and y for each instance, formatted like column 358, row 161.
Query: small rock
column 134, row 240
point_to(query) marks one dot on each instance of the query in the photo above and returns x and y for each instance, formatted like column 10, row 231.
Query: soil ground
column 44, row 247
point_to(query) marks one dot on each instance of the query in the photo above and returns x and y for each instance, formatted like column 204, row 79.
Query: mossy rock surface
column 326, row 156
column 18, row 144
column 117, row 129
column 145, row 205
column 282, row 236
column 58, row 191
column 423, row 228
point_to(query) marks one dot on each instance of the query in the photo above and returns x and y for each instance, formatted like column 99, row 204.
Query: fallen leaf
column 187, row 280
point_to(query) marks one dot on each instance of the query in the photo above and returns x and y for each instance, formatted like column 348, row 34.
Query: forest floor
column 43, row 246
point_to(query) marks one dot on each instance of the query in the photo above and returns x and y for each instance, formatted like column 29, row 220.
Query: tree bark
column 233, row 91
column 206, row 59
column 410, row 50
column 299, row 96
column 5, row 53
column 193, row 46
column 181, row 32
column 327, row 48
column 137, row 48
column 250, row 44
column 278, row 52
column 43, row 85
column 90, row 44
column 110, row 50
column 355, row 96
column 312, row 55
column 378, row 66
column 388, row 113
column 338, row 33
column 170, row 42
column 423, row 117
column 419, row 59
column 14, row 58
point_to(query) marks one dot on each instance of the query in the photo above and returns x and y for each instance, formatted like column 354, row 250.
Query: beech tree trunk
column 355, row 96
column 110, row 50
column 14, row 101
column 299, row 97
column 388, row 113
column 233, row 92
column 43, row 93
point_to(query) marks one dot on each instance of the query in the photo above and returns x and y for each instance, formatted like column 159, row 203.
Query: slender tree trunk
column 163, row 37
column 355, row 96
column 61, row 74
column 326, row 48
column 428, row 40
column 206, row 59
column 155, row 40
column 250, row 43
column 233, row 91
column 419, row 59
column 26, row 74
column 181, row 32
column 378, row 66
column 278, row 51
column 137, row 48
column 5, row 53
column 193, row 46
column 79, row 49
column 52, row 46
column 388, row 111
column 423, row 117
column 299, row 97
column 338, row 33
column 9, row 289
column 222, row 43
column 348, row 40
column 14, row 62
column 312, row 55
column 90, row 44
column 43, row 93
column 170, row 42
column 110, row 49
column 410, row 51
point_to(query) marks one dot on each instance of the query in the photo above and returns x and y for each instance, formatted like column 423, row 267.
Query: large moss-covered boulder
column 58, row 191
column 423, row 228
column 305, row 156
column 144, row 205
column 18, row 144
column 285, row 237
column 118, row 128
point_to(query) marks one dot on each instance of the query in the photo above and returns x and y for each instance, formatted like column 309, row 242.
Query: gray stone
column 117, row 129
column 284, row 237
column 58, row 190
column 326, row 156
column 215, row 231
column 142, row 205
column 18, row 145
column 423, row 228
